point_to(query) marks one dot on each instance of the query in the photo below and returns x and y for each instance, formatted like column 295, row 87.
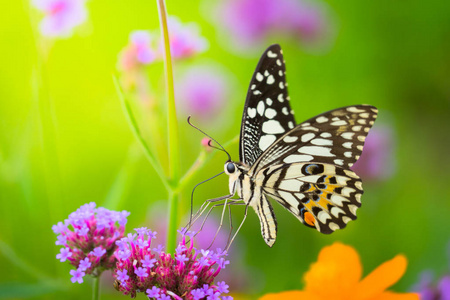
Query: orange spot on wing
column 309, row 219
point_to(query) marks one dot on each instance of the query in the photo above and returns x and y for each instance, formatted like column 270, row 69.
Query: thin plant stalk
column 173, row 138
column 95, row 288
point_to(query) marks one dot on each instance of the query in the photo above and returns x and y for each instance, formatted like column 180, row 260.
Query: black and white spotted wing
column 335, row 137
column 306, row 168
column 267, row 113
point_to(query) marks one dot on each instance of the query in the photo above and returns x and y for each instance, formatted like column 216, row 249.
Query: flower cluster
column 251, row 22
column 60, row 16
column 145, row 46
column 188, row 274
column 91, row 244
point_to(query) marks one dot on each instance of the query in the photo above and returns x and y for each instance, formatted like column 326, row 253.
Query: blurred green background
column 64, row 139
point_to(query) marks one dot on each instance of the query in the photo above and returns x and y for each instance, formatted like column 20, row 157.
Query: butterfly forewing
column 335, row 137
column 267, row 113
column 322, row 196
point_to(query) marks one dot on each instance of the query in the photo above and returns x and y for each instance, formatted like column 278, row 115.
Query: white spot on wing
column 348, row 135
column 260, row 108
column 339, row 162
column 292, row 185
column 290, row 125
column 272, row 127
column 271, row 54
column 348, row 154
column 290, row 139
column 339, row 123
column 333, row 226
column 270, row 113
column 259, row 76
column 325, row 134
column 297, row 158
column 347, row 145
column 269, row 101
column 321, row 119
column 281, row 85
column 316, row 150
column 280, row 97
column 323, row 216
column 278, row 62
column 266, row 141
column 285, row 111
column 335, row 211
column 354, row 109
column 251, row 112
column 270, row 79
column 307, row 136
column 322, row 142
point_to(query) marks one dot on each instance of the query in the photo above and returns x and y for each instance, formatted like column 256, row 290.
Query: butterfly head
column 230, row 168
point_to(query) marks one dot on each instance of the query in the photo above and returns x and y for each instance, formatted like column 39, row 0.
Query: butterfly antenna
column 221, row 147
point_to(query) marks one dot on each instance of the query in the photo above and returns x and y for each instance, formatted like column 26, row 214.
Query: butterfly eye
column 231, row 168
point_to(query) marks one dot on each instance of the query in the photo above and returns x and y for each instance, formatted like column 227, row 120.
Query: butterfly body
column 304, row 167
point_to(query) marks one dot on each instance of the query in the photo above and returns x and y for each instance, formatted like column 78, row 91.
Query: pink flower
column 185, row 39
column 186, row 274
column 252, row 22
column 90, row 245
column 202, row 91
column 61, row 16
column 138, row 52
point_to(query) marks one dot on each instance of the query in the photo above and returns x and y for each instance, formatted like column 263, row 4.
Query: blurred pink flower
column 428, row 290
column 61, row 16
column 138, row 52
column 202, row 91
column 185, row 39
column 377, row 159
column 252, row 21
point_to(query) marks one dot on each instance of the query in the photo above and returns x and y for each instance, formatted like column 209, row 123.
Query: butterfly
column 304, row 167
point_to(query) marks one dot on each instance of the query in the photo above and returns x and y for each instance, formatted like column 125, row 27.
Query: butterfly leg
column 204, row 207
column 227, row 203
column 239, row 228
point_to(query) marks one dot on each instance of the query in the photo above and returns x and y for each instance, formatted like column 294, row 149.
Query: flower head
column 252, row 22
column 185, row 39
column 61, row 16
column 339, row 269
column 89, row 246
column 202, row 91
column 138, row 52
column 162, row 275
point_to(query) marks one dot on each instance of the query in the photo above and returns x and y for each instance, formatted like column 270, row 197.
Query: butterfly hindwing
column 322, row 196
column 267, row 113
column 335, row 137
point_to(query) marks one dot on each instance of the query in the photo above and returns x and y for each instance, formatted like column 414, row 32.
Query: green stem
column 95, row 288
column 137, row 134
column 173, row 222
column 172, row 124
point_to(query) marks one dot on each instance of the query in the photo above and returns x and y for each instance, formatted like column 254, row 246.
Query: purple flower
column 122, row 275
column 60, row 16
column 222, row 287
column 153, row 292
column 94, row 234
column 185, row 39
column 430, row 291
column 77, row 276
column 252, row 22
column 141, row 272
column 202, row 91
column 377, row 159
column 147, row 262
column 160, row 274
column 84, row 264
column 64, row 254
column 138, row 52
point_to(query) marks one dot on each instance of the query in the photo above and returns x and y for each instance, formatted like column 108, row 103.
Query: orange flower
column 337, row 275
